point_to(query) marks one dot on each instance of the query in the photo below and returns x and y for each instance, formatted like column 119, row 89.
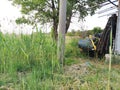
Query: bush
column 97, row 30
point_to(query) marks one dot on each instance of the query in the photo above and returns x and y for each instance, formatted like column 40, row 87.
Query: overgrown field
column 29, row 62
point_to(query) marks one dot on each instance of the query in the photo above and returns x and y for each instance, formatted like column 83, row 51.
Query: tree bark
column 68, row 21
column 55, row 32
column 55, row 21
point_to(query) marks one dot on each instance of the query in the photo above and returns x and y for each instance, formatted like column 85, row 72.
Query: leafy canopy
column 44, row 11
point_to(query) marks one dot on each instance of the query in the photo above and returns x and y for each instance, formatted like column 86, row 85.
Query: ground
column 92, row 75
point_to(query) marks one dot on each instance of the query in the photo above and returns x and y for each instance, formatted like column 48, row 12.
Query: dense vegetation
column 29, row 62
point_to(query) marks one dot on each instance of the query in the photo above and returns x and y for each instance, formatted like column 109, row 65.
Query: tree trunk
column 55, row 26
column 55, row 21
column 68, row 21
column 55, row 32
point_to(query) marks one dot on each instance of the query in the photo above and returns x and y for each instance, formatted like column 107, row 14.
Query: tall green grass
column 28, row 60
column 72, row 52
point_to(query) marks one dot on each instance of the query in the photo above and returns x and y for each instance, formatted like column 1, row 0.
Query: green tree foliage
column 94, row 31
column 84, row 34
column 97, row 30
column 44, row 11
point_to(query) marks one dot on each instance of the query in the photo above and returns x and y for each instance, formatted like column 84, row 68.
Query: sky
column 7, row 10
column 9, row 13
